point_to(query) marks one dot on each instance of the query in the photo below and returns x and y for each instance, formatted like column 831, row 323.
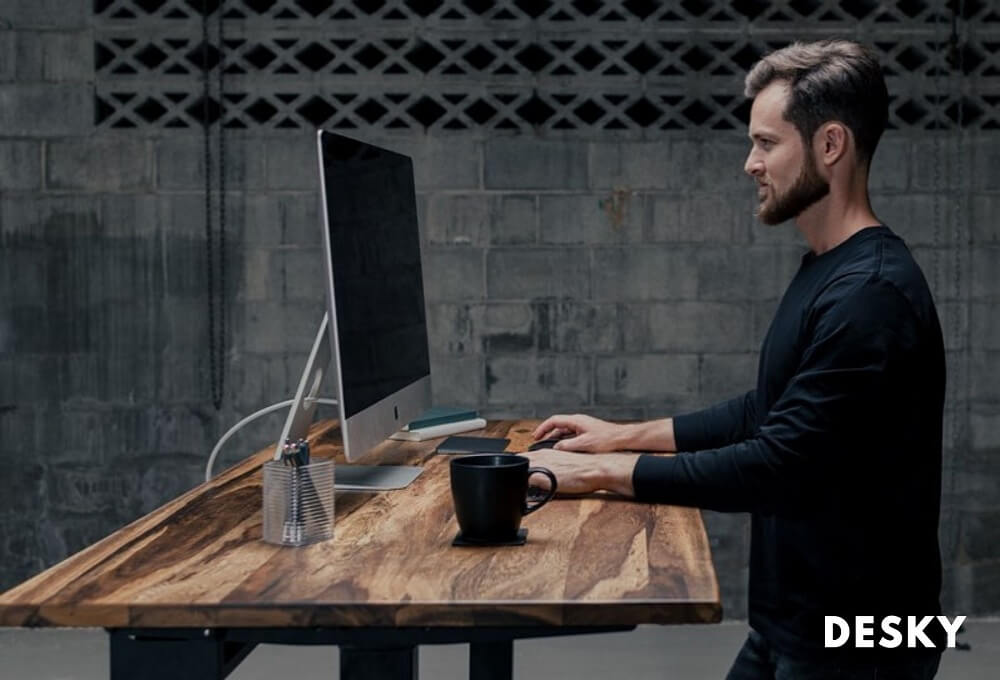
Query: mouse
column 543, row 444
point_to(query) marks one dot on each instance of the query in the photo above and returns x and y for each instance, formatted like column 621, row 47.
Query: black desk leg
column 491, row 660
column 369, row 663
column 163, row 656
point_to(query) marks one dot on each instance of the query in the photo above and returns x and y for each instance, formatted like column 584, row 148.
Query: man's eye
column 766, row 144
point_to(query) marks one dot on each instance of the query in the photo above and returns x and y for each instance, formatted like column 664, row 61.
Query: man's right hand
column 583, row 433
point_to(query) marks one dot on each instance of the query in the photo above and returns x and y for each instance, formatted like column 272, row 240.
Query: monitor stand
column 374, row 477
column 300, row 416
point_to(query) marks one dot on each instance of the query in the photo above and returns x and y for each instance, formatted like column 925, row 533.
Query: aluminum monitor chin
column 374, row 289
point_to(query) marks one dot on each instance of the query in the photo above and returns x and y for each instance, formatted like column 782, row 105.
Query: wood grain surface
column 199, row 561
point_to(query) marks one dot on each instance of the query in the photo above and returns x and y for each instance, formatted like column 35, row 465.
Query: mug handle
column 528, row 509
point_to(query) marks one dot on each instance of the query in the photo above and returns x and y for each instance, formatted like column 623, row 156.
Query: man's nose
column 753, row 165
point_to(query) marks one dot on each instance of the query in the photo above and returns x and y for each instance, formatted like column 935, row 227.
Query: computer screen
column 375, row 288
column 375, row 320
column 374, row 251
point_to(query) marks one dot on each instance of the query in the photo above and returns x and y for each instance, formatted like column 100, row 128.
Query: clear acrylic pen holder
column 298, row 503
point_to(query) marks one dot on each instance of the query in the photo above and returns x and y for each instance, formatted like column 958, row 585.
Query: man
column 837, row 451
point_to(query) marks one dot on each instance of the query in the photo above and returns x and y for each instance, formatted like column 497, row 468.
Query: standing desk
column 188, row 590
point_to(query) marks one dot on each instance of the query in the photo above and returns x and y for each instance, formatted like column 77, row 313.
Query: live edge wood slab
column 198, row 561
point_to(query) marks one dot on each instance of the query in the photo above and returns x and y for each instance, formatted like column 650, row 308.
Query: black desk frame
column 365, row 653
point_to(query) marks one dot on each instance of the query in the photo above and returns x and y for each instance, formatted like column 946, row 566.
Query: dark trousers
column 757, row 660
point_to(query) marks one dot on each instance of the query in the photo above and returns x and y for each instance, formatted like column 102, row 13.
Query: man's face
column 788, row 181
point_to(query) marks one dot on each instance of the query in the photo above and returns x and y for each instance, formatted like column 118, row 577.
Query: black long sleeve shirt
column 836, row 453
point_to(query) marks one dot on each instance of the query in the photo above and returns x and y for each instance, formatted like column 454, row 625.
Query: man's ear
column 832, row 140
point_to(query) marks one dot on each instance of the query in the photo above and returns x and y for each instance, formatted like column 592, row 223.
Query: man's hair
column 828, row 80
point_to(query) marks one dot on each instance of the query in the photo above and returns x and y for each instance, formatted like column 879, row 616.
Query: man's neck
column 835, row 218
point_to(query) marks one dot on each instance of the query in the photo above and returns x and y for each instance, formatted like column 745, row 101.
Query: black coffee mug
column 490, row 493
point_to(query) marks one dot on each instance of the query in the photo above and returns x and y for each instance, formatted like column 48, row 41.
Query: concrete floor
column 693, row 652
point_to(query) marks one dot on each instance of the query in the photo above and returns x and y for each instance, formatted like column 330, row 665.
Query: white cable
column 235, row 428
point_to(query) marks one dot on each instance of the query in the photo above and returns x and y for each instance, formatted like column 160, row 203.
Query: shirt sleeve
column 726, row 423
column 854, row 328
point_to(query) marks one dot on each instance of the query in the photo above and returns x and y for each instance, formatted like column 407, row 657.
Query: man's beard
column 809, row 187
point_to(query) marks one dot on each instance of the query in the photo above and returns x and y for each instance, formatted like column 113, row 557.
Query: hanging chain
column 216, row 318
column 217, row 400
column 958, row 44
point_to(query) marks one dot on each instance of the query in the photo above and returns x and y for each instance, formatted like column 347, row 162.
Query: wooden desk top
column 198, row 561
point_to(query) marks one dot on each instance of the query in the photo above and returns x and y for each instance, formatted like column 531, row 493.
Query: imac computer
column 373, row 337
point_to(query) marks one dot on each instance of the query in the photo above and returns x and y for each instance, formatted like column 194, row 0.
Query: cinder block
column 985, row 323
column 699, row 327
column 29, row 56
column 984, row 273
column 941, row 163
column 131, row 216
column 449, row 162
column 526, row 379
column 771, row 269
column 724, row 274
column 919, row 219
column 183, row 371
column 700, row 218
column 458, row 380
column 525, row 163
column 98, row 164
column 954, row 320
column 983, row 221
column 523, row 274
column 277, row 326
column 292, row 162
column 984, row 375
column 577, row 326
column 20, row 165
column 634, row 321
column 646, row 378
column 980, row 535
column 25, row 486
column 973, row 484
column 454, row 328
column 8, row 52
column 298, row 273
column 516, row 220
column 453, row 274
column 615, row 217
column 185, row 267
column 280, row 219
column 720, row 162
column 68, row 56
column 22, row 14
column 43, row 110
column 180, row 164
column 984, row 432
column 257, row 284
column 985, row 156
column 265, row 378
column 654, row 272
column 508, row 327
column 459, row 219
column 985, row 588
column 182, row 216
column 724, row 376
column 643, row 165
column 890, row 169
column 939, row 266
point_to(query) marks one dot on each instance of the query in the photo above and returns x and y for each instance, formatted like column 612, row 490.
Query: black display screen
column 377, row 278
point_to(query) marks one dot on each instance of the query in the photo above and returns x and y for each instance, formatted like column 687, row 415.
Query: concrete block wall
column 620, row 277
